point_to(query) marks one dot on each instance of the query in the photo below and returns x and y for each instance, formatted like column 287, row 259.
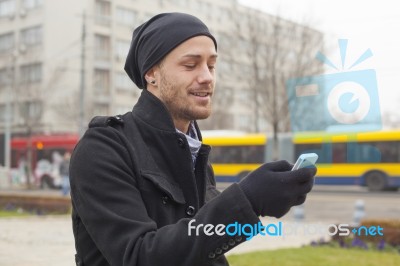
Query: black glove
column 273, row 188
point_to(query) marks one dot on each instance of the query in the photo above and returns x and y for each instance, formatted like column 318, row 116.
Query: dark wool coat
column 134, row 190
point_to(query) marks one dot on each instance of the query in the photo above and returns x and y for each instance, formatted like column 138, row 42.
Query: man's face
column 186, row 80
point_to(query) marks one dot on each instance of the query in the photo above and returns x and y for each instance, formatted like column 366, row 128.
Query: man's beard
column 177, row 105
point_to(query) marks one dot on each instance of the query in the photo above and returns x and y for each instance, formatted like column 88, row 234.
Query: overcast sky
column 369, row 24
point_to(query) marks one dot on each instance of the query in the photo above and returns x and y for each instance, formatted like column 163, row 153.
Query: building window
column 103, row 13
column 123, row 82
column 126, row 17
column 6, row 76
column 30, row 110
column 32, row 36
column 31, row 73
column 122, row 48
column 101, row 81
column 7, row 8
column 31, row 4
column 6, row 42
column 102, row 46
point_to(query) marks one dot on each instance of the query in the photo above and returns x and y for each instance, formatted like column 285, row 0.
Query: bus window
column 388, row 151
column 339, row 153
column 327, row 152
column 237, row 154
column 363, row 152
column 324, row 151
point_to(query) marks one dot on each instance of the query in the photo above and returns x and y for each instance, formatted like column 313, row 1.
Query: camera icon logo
column 348, row 102
column 344, row 101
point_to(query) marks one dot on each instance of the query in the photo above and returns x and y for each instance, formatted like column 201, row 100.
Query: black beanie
column 155, row 38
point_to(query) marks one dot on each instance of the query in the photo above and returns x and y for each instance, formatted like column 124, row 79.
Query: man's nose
column 206, row 75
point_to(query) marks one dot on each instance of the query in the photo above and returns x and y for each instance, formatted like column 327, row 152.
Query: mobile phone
column 305, row 160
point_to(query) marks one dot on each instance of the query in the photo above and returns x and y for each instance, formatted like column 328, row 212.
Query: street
column 336, row 204
column 48, row 240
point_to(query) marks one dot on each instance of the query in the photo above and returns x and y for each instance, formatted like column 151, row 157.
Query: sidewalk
column 37, row 241
column 48, row 240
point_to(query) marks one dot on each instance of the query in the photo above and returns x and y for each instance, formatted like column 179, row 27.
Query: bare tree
column 276, row 50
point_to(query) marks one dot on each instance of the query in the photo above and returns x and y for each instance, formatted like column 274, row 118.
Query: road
column 337, row 204
column 48, row 240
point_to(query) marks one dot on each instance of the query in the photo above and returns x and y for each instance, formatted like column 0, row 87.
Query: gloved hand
column 273, row 188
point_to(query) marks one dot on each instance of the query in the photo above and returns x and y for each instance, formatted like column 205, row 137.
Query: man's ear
column 150, row 77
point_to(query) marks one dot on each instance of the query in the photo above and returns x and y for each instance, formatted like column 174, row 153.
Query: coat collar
column 153, row 112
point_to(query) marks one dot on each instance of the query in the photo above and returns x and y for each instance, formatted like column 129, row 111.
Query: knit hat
column 154, row 39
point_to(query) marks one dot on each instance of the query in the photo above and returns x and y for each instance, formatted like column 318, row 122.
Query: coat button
column 231, row 242
column 211, row 255
column 190, row 210
column 238, row 239
column 218, row 251
column 165, row 199
column 181, row 142
column 225, row 246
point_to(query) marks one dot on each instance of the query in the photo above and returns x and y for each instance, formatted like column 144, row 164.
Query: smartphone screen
column 305, row 160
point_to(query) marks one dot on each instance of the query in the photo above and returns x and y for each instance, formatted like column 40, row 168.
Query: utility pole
column 8, row 115
column 82, row 125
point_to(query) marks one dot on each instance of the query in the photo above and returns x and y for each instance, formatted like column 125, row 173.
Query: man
column 137, row 180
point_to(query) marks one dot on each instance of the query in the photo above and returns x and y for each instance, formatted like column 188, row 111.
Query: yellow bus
column 369, row 159
column 234, row 155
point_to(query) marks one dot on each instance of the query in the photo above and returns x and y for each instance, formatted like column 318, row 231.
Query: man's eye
column 211, row 67
column 190, row 66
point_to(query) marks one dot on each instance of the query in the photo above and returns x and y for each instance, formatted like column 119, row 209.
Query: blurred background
column 61, row 63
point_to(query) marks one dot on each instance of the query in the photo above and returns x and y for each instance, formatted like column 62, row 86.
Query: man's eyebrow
column 198, row 56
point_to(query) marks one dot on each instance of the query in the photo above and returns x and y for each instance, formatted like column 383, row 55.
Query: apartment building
column 42, row 61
